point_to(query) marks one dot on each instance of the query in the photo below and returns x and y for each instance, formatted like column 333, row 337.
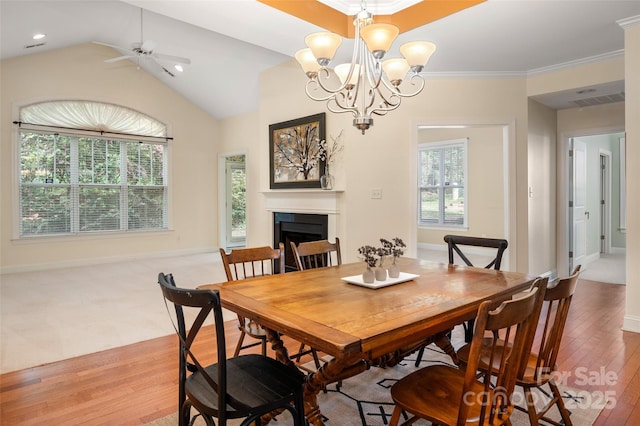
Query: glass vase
column 327, row 179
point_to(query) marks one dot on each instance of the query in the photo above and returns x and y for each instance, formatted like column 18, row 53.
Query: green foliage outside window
column 239, row 199
column 73, row 184
column 442, row 183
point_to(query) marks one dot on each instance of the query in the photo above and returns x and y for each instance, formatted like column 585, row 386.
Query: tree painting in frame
column 294, row 147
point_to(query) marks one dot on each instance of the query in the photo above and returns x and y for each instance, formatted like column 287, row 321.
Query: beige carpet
column 365, row 399
column 608, row 268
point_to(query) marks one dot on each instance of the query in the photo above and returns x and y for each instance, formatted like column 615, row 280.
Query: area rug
column 365, row 400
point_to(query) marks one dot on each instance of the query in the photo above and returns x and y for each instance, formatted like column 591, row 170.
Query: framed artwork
column 294, row 148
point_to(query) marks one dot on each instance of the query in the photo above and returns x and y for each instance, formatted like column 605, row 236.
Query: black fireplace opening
column 297, row 228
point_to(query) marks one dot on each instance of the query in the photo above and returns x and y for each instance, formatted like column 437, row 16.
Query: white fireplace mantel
column 311, row 201
column 315, row 201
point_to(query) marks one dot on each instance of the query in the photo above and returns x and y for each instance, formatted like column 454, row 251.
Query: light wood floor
column 137, row 383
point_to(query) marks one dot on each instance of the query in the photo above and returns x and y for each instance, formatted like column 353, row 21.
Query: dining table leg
column 282, row 355
column 330, row 372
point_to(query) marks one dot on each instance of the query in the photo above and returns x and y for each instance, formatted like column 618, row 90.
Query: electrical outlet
column 376, row 194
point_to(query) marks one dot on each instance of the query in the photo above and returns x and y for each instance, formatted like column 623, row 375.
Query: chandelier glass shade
column 367, row 85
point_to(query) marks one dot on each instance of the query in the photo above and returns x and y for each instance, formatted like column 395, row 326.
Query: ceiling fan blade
column 119, row 58
column 168, row 72
column 160, row 68
column 111, row 45
column 179, row 59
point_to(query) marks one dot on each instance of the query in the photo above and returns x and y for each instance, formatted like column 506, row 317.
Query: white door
column 605, row 203
column 235, row 201
column 580, row 213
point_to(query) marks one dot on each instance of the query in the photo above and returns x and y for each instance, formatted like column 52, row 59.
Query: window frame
column 441, row 187
column 76, row 184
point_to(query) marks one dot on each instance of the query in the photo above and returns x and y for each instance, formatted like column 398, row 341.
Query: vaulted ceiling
column 230, row 42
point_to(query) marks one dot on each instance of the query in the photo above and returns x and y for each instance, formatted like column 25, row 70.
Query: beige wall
column 238, row 135
column 385, row 157
column 632, row 90
column 541, row 189
column 572, row 78
column 80, row 73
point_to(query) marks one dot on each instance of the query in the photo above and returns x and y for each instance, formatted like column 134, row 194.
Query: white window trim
column 438, row 145
column 152, row 131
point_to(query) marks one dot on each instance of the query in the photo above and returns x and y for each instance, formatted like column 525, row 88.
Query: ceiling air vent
column 30, row 46
column 599, row 100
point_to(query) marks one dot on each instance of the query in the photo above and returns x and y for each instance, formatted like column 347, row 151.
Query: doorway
column 493, row 204
column 233, row 205
column 595, row 199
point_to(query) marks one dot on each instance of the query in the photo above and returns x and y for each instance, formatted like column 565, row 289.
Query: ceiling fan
column 145, row 49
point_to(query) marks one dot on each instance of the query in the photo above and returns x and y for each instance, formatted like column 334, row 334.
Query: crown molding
column 629, row 22
column 519, row 74
column 577, row 63
column 474, row 74
column 377, row 8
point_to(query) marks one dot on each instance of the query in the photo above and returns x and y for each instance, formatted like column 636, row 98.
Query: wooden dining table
column 360, row 326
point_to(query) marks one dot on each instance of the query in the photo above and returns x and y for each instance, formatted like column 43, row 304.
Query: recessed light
column 178, row 68
column 39, row 36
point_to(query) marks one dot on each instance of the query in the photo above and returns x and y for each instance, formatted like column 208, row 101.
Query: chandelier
column 367, row 85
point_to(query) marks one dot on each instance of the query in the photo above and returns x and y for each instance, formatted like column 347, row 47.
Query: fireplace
column 298, row 228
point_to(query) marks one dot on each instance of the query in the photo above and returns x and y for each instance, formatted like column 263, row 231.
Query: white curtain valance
column 95, row 116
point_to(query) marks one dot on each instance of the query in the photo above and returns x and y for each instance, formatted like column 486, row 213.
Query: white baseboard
column 631, row 323
column 102, row 260
column 480, row 251
column 618, row 250
column 591, row 258
column 430, row 246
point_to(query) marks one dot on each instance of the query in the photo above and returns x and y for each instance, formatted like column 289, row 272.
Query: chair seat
column 244, row 390
column 435, row 392
column 485, row 349
column 529, row 378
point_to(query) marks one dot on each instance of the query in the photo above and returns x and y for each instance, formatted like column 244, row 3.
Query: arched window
column 90, row 167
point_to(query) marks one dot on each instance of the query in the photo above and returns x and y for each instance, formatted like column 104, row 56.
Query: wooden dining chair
column 312, row 255
column 316, row 254
column 540, row 362
column 455, row 246
column 456, row 243
column 252, row 262
column 447, row 395
column 243, row 387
